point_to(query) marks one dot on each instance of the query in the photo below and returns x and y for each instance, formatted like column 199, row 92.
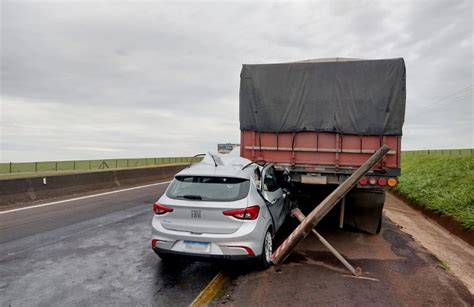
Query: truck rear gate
column 317, row 150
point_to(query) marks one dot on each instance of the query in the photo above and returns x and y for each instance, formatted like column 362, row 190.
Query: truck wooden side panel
column 312, row 150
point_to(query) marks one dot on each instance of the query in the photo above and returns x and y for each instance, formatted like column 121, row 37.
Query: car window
column 269, row 180
column 208, row 188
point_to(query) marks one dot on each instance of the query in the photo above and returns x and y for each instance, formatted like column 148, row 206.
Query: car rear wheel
column 266, row 258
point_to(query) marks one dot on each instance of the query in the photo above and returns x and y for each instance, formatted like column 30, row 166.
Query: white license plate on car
column 196, row 246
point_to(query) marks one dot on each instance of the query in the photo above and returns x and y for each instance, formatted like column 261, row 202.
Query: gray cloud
column 84, row 80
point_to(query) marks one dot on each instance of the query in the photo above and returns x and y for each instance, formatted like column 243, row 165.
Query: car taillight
column 161, row 209
column 372, row 181
column 247, row 249
column 391, row 182
column 382, row 182
column 249, row 213
column 363, row 181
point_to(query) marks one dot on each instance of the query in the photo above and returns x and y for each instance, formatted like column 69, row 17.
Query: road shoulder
column 397, row 270
column 455, row 254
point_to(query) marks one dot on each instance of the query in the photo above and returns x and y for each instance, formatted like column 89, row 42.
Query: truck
column 317, row 121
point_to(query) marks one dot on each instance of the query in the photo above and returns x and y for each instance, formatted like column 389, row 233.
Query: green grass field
column 442, row 183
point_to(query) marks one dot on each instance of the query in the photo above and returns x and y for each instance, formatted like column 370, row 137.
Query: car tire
column 266, row 258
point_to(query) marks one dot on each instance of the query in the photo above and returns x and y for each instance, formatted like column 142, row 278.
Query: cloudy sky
column 108, row 79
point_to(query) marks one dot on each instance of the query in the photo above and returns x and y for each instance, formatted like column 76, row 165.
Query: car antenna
column 215, row 163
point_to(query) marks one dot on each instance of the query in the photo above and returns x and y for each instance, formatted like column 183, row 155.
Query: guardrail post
column 304, row 228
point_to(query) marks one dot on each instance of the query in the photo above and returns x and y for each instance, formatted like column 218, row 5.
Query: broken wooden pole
column 300, row 217
column 325, row 206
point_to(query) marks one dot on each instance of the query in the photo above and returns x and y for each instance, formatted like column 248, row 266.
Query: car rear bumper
column 204, row 257
column 246, row 242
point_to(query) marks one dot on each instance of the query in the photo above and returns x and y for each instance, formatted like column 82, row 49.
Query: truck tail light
column 382, row 182
column 160, row 209
column 249, row 213
column 372, row 181
column 363, row 181
column 392, row 182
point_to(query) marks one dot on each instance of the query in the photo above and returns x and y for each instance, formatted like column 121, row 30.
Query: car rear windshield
column 208, row 188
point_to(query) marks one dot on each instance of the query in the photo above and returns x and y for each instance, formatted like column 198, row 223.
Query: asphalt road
column 92, row 251
column 396, row 271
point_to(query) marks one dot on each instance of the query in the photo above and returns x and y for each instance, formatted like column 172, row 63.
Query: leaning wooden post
column 324, row 207
column 356, row 271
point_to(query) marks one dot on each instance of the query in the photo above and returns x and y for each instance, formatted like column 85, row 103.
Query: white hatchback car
column 220, row 208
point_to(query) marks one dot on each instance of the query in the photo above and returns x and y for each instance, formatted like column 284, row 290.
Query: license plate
column 197, row 246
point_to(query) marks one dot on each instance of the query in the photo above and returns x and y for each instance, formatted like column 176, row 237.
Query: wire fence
column 441, row 152
column 86, row 165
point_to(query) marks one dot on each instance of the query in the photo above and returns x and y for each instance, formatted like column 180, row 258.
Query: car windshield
column 208, row 188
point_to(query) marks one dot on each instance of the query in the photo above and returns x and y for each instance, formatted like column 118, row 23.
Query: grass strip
column 442, row 184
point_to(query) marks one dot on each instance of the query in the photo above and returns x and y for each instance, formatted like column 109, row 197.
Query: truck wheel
column 379, row 227
column 266, row 258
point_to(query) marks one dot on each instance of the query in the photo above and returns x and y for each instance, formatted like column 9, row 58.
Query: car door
column 274, row 195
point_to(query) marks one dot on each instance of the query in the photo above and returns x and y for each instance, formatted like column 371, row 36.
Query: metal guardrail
column 84, row 165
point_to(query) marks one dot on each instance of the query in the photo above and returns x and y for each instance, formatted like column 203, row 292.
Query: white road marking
column 84, row 197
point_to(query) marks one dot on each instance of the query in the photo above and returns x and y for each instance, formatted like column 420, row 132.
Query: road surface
column 396, row 270
column 92, row 251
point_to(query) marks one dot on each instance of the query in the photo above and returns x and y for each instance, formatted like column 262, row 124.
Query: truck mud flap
column 363, row 209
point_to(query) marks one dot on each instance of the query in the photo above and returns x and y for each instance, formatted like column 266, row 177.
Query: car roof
column 228, row 165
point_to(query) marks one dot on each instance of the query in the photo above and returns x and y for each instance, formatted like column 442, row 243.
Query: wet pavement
column 397, row 271
column 92, row 252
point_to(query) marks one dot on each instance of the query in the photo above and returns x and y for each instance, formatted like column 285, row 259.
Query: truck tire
column 364, row 209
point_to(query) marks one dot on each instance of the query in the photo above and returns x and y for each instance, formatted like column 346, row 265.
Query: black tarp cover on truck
column 364, row 97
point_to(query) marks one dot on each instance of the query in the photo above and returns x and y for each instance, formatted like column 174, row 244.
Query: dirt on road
column 397, row 269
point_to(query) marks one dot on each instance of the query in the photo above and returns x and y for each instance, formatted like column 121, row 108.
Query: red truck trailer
column 319, row 120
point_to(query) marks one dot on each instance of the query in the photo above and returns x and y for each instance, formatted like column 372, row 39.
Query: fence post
column 56, row 165
column 10, row 167
column 36, row 167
